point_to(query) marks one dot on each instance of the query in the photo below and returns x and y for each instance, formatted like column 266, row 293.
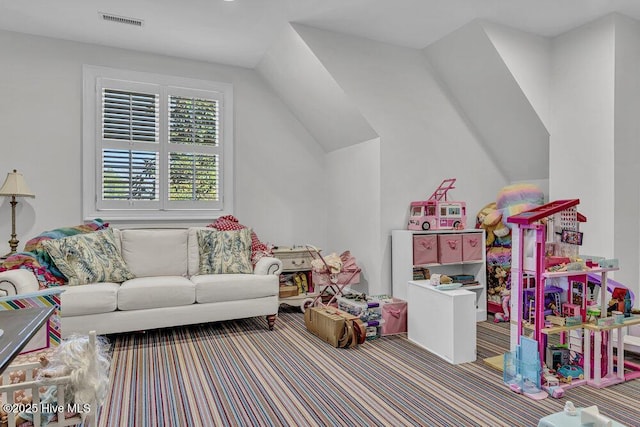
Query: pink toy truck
column 437, row 213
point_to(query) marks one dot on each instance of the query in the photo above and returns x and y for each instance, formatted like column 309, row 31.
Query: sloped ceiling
column 492, row 101
column 311, row 93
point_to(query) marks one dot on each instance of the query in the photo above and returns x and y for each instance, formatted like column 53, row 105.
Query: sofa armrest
column 268, row 265
column 17, row 282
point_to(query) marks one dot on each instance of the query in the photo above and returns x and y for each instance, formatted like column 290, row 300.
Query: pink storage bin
column 472, row 247
column 394, row 316
column 425, row 249
column 449, row 248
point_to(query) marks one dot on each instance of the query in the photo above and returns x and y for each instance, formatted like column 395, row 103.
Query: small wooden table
column 19, row 327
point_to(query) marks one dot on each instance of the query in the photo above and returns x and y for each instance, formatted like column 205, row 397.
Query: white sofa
column 166, row 291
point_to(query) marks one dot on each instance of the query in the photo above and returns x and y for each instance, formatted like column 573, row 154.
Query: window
column 156, row 147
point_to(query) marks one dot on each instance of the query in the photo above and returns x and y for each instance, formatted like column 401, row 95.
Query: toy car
column 569, row 372
column 555, row 391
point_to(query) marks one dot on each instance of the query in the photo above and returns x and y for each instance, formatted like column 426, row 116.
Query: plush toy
column 517, row 198
column 490, row 219
column 86, row 362
column 511, row 200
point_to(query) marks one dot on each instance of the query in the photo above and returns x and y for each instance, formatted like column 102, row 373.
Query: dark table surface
column 19, row 327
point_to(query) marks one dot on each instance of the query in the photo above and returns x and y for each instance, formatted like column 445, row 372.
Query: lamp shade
column 15, row 185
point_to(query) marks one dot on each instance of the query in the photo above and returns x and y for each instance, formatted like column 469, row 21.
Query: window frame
column 92, row 161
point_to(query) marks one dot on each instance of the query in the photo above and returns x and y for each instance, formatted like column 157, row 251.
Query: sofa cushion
column 233, row 287
column 193, row 251
column 88, row 258
column 156, row 292
column 93, row 298
column 155, row 252
column 225, row 252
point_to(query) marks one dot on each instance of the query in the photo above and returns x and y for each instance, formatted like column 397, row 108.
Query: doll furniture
column 82, row 369
column 168, row 288
column 535, row 229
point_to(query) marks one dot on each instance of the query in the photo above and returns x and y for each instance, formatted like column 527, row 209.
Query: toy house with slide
column 552, row 294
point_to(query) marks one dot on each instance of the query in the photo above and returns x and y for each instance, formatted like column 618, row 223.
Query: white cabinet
column 442, row 321
column 450, row 252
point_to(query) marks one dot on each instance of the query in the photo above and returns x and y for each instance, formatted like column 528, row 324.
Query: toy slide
column 611, row 284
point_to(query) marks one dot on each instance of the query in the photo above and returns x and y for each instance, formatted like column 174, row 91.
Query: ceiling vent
column 121, row 19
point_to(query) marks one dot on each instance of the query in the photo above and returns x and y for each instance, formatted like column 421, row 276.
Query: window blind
column 193, row 121
column 129, row 116
column 162, row 146
column 193, row 177
column 129, row 175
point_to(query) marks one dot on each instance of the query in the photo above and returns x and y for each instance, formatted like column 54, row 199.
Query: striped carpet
column 238, row 373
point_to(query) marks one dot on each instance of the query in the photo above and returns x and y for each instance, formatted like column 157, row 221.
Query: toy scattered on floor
column 591, row 416
column 437, row 213
column 568, row 373
column 85, row 362
column 522, row 370
column 570, row 409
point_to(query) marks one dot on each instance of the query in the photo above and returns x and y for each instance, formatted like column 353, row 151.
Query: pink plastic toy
column 437, row 213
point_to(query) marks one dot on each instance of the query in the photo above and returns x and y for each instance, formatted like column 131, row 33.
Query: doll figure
column 505, row 295
column 506, row 298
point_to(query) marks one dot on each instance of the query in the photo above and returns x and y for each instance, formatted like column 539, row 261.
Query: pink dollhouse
column 545, row 252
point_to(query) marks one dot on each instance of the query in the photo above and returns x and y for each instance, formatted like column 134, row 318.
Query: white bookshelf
column 402, row 265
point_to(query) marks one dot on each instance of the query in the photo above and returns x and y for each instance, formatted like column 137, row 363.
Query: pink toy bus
column 437, row 213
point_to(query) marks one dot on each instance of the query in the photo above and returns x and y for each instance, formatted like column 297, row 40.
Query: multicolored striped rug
column 238, row 373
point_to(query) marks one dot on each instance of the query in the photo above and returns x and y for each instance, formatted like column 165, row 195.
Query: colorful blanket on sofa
column 37, row 260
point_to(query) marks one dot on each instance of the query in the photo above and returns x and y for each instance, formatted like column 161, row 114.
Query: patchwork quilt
column 36, row 259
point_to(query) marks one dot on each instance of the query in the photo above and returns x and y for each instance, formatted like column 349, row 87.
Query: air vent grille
column 121, row 19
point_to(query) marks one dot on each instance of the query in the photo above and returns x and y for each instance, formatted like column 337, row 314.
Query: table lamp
column 14, row 186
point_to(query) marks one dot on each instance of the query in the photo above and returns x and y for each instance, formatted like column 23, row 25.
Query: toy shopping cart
column 328, row 284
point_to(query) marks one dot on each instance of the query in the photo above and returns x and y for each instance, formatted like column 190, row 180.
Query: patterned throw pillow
column 225, row 251
column 89, row 258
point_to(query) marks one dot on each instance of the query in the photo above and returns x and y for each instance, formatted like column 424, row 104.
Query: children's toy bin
column 394, row 314
column 365, row 310
column 472, row 247
column 368, row 312
column 449, row 248
column 425, row 249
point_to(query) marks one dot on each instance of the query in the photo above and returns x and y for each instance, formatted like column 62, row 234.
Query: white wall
column 509, row 128
column 279, row 172
column 423, row 139
column 626, row 218
column 353, row 211
column 528, row 58
column 582, row 129
column 312, row 94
